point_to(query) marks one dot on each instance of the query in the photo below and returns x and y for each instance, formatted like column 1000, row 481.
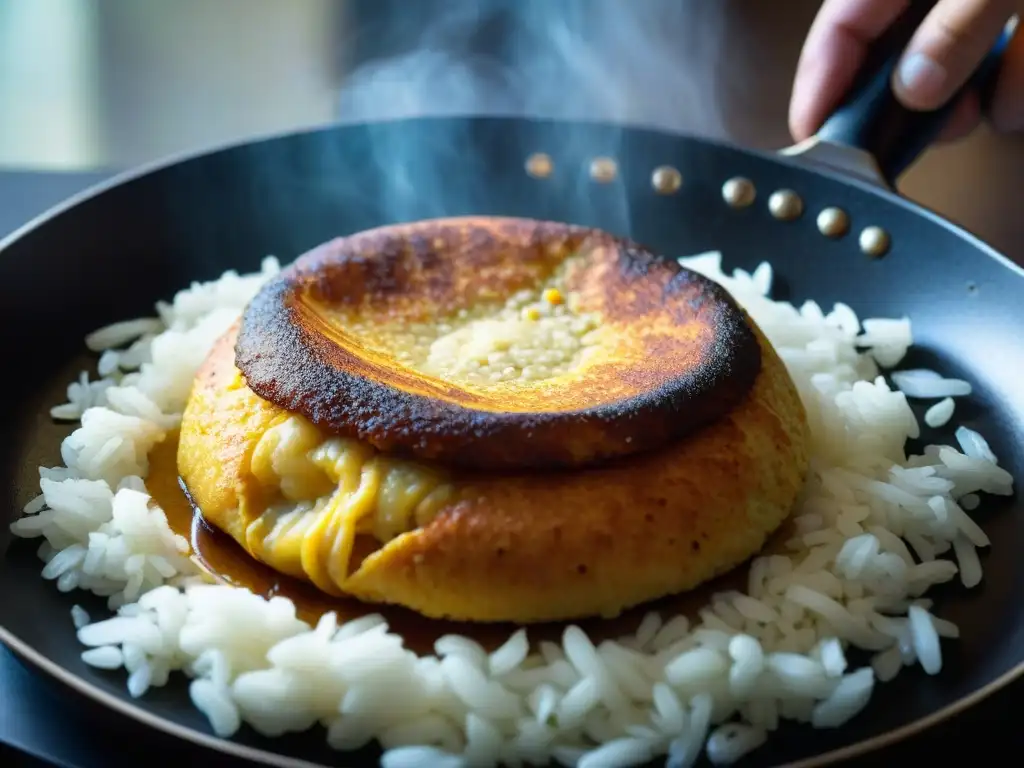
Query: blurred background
column 108, row 84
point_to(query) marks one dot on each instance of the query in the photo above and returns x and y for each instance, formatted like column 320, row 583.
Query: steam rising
column 642, row 62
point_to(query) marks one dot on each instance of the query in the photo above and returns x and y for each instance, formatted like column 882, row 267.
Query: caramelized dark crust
column 683, row 353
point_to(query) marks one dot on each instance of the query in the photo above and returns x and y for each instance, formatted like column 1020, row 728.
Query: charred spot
column 582, row 569
column 419, row 246
column 695, row 545
column 636, row 261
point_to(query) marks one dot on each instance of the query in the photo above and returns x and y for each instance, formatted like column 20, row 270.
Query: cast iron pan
column 111, row 253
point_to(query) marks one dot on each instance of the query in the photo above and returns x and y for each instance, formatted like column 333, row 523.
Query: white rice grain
column 669, row 709
column 428, row 729
column 848, row 698
column 925, row 640
column 577, row 703
column 104, row 657
column 542, row 702
column 923, row 385
column 696, row 668
column 619, row 753
column 939, row 414
column 968, row 562
column 464, row 647
column 673, row 630
column 748, row 664
column 79, row 616
column 748, row 660
column 119, row 334
column 648, row 629
column 216, row 704
column 510, row 655
column 732, row 741
column 833, row 660
column 420, row 757
column 483, row 741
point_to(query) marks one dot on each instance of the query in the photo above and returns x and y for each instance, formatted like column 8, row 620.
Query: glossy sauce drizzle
column 222, row 557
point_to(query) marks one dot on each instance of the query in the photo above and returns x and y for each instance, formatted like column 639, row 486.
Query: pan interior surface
column 113, row 254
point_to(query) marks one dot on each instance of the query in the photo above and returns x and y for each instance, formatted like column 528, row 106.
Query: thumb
column 947, row 48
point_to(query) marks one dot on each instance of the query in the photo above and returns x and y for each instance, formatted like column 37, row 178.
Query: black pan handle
column 873, row 120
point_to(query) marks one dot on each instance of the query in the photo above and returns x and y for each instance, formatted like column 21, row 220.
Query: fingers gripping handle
column 873, row 120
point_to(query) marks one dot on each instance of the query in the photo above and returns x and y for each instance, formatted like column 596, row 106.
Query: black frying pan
column 111, row 253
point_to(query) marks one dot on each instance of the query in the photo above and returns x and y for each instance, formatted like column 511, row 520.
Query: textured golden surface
column 662, row 352
column 524, row 547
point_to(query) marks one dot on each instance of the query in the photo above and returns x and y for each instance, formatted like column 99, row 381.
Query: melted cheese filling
column 325, row 492
column 317, row 494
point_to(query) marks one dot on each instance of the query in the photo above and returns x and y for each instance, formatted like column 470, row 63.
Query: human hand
column 944, row 52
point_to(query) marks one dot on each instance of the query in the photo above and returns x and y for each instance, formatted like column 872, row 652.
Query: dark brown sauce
column 224, row 559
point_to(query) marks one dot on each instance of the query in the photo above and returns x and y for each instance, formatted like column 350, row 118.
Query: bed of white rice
column 875, row 529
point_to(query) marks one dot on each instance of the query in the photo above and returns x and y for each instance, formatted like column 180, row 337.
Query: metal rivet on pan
column 739, row 192
column 874, row 241
column 785, row 205
column 833, row 222
column 666, row 180
column 603, row 169
column 539, row 165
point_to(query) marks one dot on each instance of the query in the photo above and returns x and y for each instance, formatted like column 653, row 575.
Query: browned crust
column 686, row 354
column 595, row 542
column 531, row 547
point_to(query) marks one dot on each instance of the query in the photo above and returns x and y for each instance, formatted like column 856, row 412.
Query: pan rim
column 119, row 178
column 142, row 715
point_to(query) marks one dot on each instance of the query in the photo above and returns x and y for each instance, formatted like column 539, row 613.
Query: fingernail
column 921, row 76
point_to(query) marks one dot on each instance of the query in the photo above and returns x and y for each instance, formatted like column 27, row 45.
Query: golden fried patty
column 522, row 547
column 410, row 338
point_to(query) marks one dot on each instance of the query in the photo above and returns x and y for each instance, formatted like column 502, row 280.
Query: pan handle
column 873, row 123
